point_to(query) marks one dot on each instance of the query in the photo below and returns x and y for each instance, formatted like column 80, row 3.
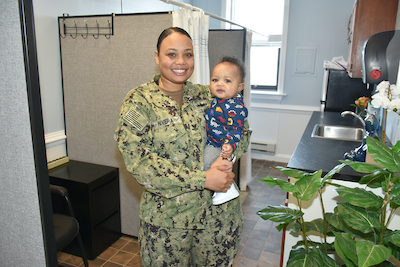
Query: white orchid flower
column 394, row 90
column 387, row 96
column 379, row 100
column 377, row 95
column 382, row 87
column 395, row 105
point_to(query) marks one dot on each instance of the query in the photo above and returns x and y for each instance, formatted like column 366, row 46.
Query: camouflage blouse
column 162, row 146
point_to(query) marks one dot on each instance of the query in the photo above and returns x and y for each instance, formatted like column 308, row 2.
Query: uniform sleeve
column 135, row 142
column 244, row 142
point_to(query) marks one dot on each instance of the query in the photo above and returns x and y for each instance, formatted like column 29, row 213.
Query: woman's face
column 175, row 60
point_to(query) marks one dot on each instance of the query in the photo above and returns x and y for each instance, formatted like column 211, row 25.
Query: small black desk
column 94, row 193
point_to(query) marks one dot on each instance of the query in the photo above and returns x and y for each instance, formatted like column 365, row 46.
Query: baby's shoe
column 222, row 197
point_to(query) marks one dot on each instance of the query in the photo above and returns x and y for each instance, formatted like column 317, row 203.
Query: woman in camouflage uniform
column 161, row 136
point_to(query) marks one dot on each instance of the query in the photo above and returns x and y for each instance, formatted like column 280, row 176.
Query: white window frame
column 279, row 93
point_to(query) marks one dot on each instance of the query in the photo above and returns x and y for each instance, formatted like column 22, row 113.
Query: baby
column 225, row 117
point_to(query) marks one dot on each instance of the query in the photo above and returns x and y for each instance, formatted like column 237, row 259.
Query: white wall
column 281, row 120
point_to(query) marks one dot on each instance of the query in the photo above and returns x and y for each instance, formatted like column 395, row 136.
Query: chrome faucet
column 359, row 153
column 355, row 115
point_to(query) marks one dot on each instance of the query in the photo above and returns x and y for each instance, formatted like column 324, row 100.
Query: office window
column 265, row 18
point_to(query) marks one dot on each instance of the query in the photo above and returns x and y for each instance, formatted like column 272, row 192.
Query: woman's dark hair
column 234, row 60
column 169, row 31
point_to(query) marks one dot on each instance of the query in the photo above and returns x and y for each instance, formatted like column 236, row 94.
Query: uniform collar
column 190, row 92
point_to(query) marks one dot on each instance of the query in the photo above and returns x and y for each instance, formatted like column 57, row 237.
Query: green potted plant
column 359, row 225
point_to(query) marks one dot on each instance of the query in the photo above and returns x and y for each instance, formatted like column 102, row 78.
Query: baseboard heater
column 263, row 147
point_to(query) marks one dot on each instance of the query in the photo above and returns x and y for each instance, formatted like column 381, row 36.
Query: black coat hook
column 109, row 29
column 76, row 31
column 98, row 31
column 87, row 31
column 64, row 27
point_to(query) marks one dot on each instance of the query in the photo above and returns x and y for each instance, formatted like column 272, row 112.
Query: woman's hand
column 220, row 176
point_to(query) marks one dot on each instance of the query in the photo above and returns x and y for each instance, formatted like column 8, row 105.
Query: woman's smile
column 179, row 71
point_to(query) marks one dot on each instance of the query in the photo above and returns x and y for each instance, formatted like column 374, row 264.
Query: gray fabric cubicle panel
column 97, row 74
column 225, row 43
column 22, row 221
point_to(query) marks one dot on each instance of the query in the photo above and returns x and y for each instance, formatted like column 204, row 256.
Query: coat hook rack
column 84, row 28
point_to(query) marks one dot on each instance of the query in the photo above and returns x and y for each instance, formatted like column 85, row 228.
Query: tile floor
column 260, row 242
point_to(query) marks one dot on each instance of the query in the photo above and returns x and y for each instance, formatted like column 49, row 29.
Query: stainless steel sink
column 345, row 133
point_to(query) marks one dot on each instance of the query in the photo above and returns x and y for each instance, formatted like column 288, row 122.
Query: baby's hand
column 227, row 151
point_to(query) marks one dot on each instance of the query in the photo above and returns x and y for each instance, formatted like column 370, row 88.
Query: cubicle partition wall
column 225, row 42
column 103, row 58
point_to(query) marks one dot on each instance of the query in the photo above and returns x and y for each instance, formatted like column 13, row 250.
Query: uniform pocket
column 170, row 138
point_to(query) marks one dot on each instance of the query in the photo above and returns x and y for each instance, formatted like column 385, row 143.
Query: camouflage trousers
column 213, row 246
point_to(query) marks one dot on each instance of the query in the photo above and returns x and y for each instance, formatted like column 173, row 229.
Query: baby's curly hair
column 234, row 60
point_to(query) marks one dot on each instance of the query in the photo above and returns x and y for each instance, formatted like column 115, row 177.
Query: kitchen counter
column 313, row 154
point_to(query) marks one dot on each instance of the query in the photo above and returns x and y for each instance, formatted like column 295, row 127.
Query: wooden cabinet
column 94, row 193
column 368, row 17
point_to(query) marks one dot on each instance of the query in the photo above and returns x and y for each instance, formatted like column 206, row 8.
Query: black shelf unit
column 94, row 193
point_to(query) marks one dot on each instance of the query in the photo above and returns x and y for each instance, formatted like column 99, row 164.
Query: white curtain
column 245, row 161
column 196, row 24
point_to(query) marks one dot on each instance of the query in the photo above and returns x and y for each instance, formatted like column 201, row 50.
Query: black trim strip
column 36, row 118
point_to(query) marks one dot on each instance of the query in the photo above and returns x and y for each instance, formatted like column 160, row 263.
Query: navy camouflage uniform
column 162, row 146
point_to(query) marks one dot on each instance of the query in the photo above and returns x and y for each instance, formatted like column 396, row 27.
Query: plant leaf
column 293, row 172
column 395, row 250
column 345, row 247
column 299, row 258
column 296, row 227
column 396, row 148
column 339, row 226
column 336, row 222
column 374, row 179
column 316, row 258
column 361, row 166
column 330, row 174
column 395, row 193
column 395, row 190
column 383, row 155
column 395, row 238
column 326, row 260
column 315, row 225
column 285, row 185
column 395, row 202
column 387, row 236
column 307, row 186
column 281, row 226
column 330, row 246
column 360, row 197
column 369, row 253
column 358, row 218
column 280, row 214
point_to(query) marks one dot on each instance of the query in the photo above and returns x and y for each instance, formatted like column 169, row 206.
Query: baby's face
column 226, row 80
